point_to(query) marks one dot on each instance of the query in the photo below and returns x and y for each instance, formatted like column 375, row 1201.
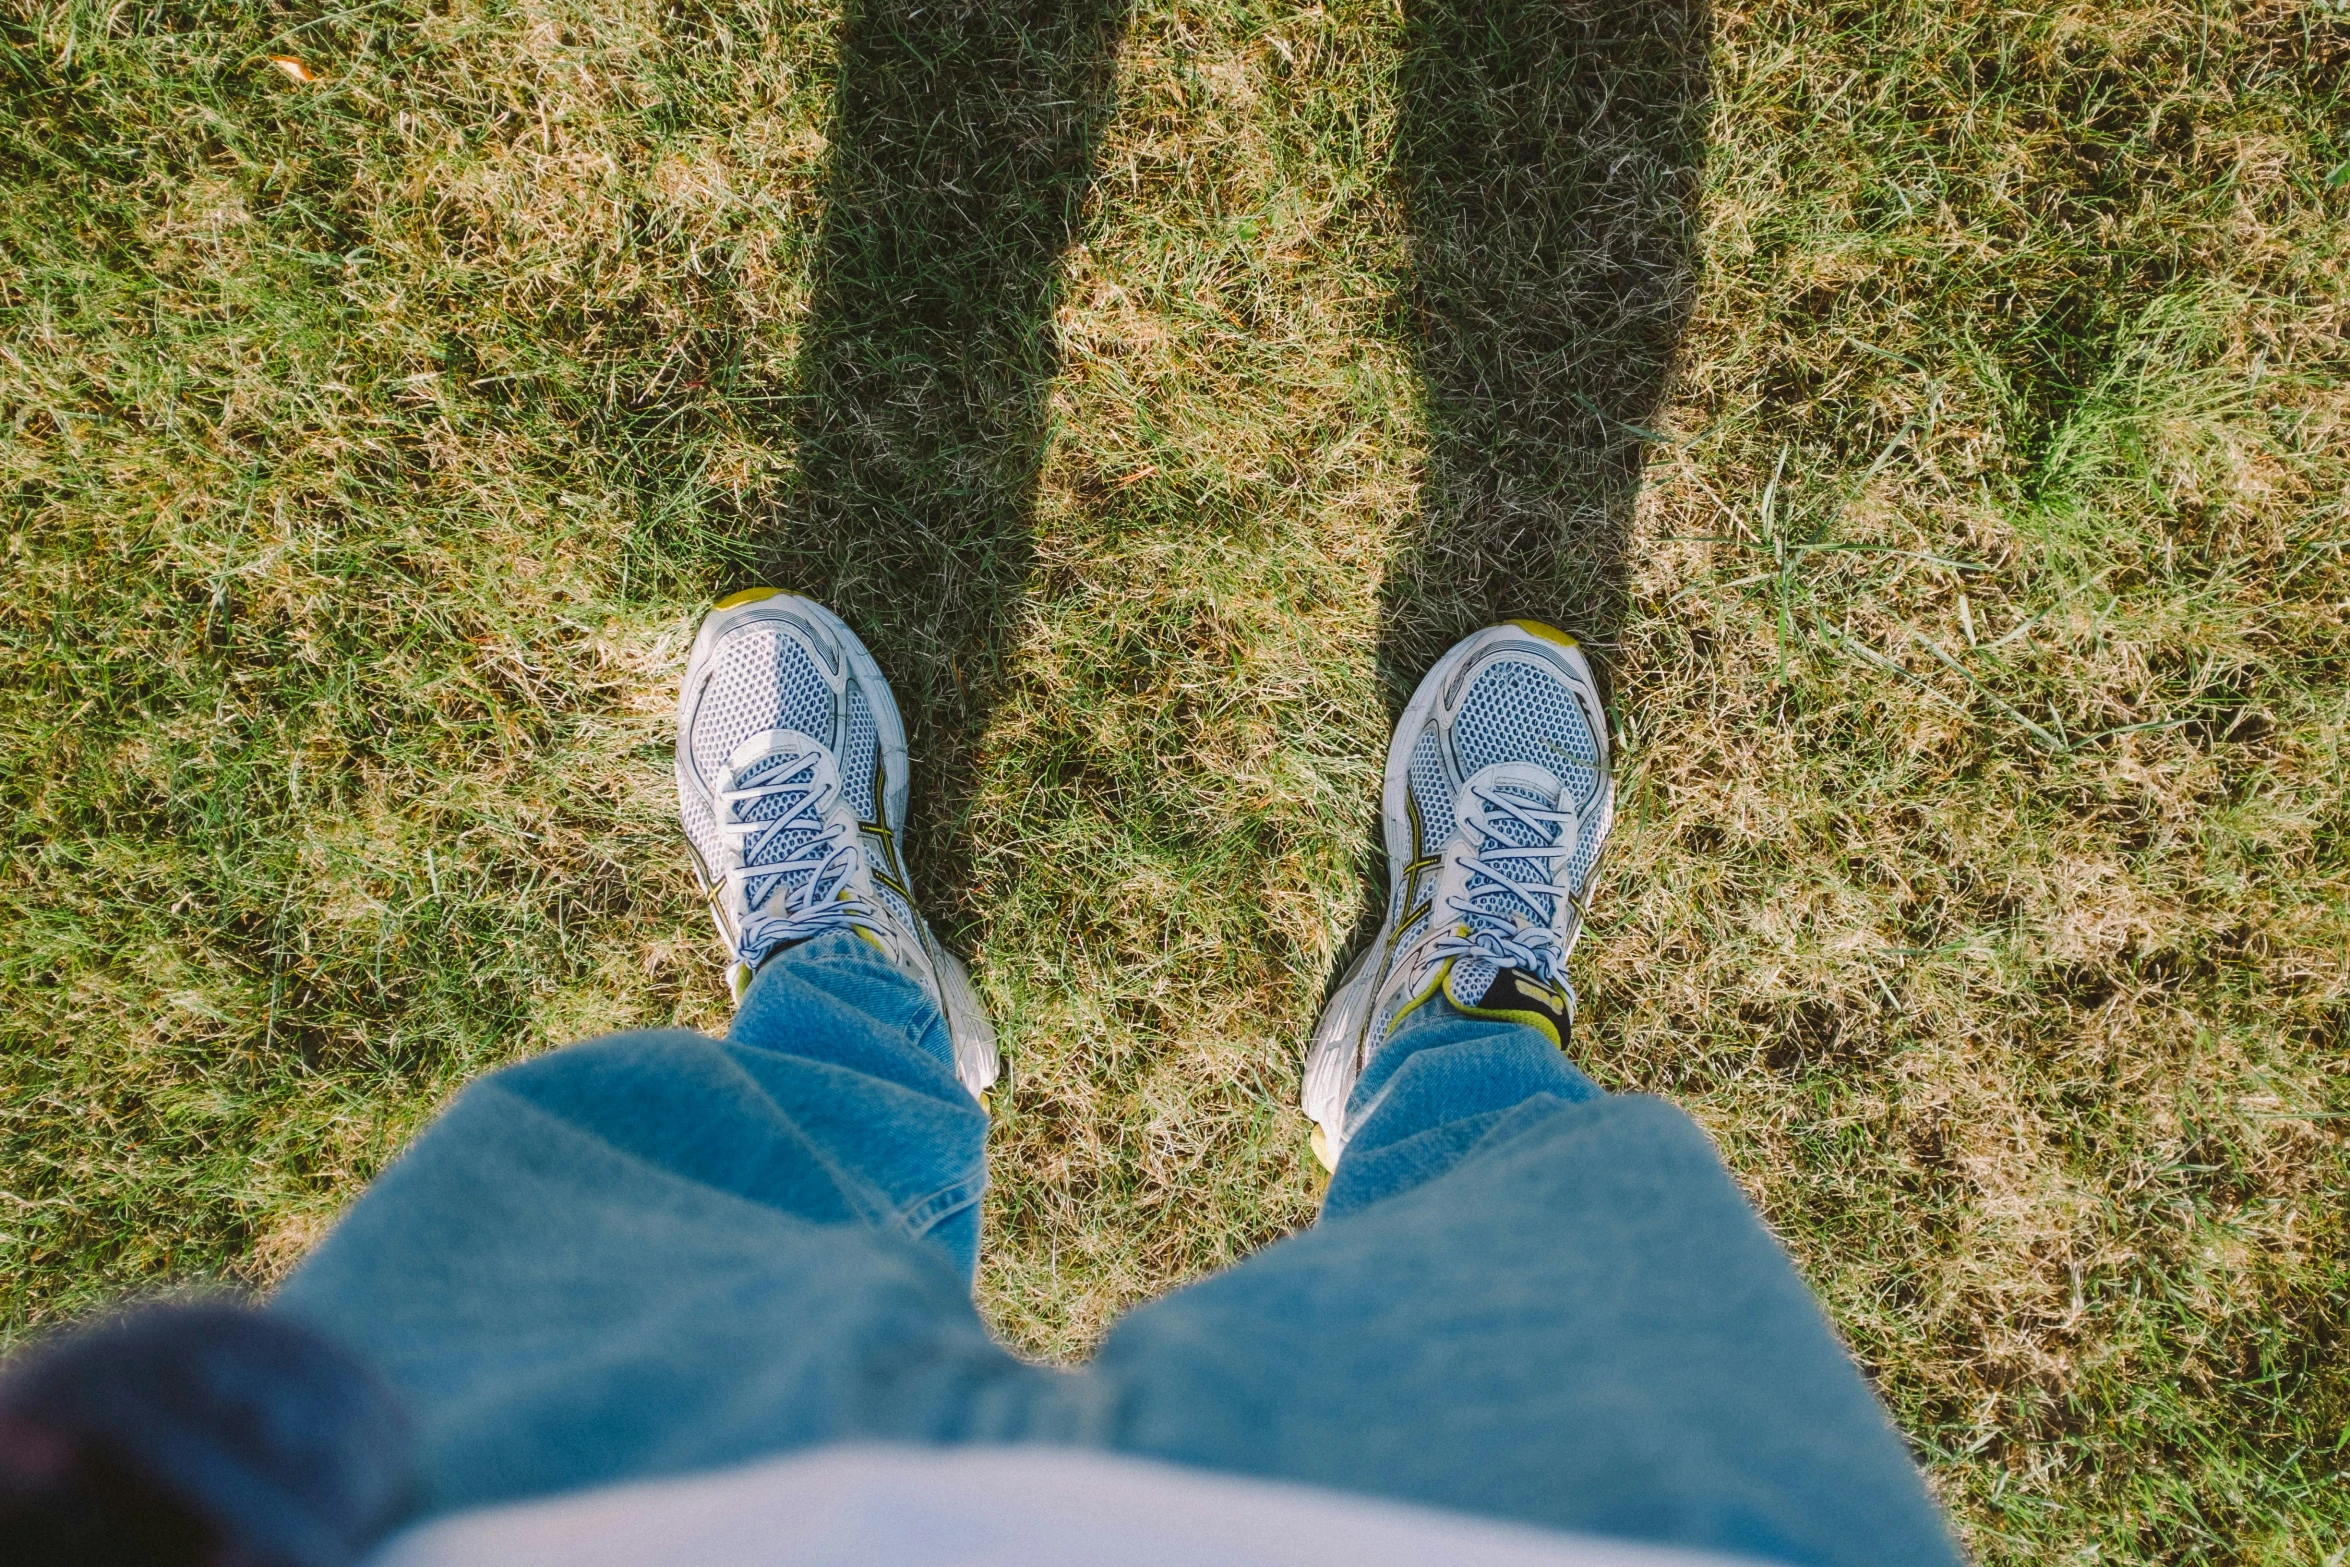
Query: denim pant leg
column 657, row 1252
column 1529, row 1299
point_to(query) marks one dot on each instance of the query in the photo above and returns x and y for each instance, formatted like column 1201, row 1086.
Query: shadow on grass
column 1549, row 154
column 962, row 145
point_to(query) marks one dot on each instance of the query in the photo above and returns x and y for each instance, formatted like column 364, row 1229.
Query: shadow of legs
column 961, row 149
column 1549, row 155
column 1549, row 152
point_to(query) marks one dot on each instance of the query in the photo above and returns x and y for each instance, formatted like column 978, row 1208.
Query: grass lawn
column 1937, row 416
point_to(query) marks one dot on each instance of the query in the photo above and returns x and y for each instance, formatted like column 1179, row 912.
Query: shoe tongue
column 1487, row 985
column 792, row 771
column 791, row 776
column 1488, row 828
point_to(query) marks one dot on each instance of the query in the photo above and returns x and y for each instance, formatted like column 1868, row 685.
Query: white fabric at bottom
column 985, row 1506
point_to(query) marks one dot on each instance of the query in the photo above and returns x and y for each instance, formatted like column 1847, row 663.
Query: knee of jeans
column 648, row 1045
column 664, row 1052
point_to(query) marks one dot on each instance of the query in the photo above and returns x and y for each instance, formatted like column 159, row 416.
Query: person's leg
column 658, row 1252
column 1530, row 1300
column 1525, row 1298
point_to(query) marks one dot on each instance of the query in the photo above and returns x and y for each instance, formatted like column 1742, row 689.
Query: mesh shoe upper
column 791, row 786
column 792, row 866
column 763, row 672
column 1498, row 801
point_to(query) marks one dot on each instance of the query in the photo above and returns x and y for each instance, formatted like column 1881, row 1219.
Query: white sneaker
column 1498, row 800
column 791, row 783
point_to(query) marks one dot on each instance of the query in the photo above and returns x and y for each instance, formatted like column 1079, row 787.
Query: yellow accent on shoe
column 1435, row 984
column 747, row 596
column 1506, row 1015
column 1320, row 1142
column 1546, row 632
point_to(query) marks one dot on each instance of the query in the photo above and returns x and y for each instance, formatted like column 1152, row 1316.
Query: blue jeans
column 656, row 1253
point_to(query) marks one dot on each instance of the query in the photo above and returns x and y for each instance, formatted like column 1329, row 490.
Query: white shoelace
column 1540, row 949
column 816, row 862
